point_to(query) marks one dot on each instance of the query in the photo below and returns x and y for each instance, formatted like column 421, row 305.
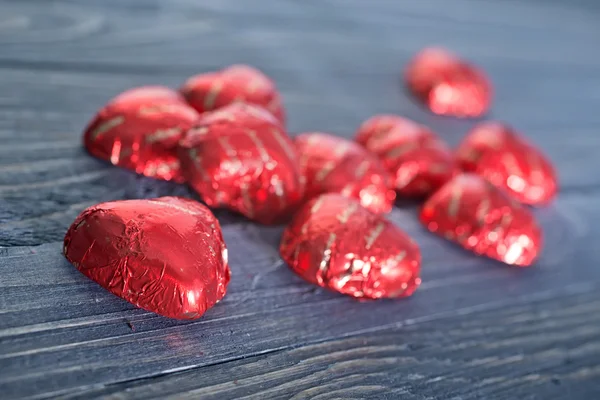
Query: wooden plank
column 493, row 353
column 281, row 22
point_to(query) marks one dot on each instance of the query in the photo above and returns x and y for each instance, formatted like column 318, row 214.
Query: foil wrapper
column 166, row 255
column 335, row 165
column 336, row 243
column 448, row 85
column 481, row 218
column 139, row 130
column 237, row 83
column 239, row 157
column 417, row 159
column 505, row 158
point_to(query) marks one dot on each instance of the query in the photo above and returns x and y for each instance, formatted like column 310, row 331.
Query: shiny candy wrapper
column 213, row 90
column 502, row 156
column 336, row 243
column 239, row 157
column 139, row 130
column 417, row 159
column 165, row 255
column 475, row 214
column 335, row 165
column 447, row 84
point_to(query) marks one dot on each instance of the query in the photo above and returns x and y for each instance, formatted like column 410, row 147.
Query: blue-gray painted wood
column 476, row 329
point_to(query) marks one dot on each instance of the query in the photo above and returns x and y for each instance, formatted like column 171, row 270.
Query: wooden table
column 474, row 330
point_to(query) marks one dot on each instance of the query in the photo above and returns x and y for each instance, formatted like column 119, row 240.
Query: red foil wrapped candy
column 207, row 92
column 240, row 158
column 475, row 214
column 418, row 160
column 139, row 130
column 336, row 243
column 499, row 154
column 165, row 255
column 447, row 84
column 335, row 165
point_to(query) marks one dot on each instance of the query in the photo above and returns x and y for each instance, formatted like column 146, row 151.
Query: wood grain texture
column 479, row 354
column 475, row 329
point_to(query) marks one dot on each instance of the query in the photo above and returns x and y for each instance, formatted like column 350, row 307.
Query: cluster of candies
column 224, row 134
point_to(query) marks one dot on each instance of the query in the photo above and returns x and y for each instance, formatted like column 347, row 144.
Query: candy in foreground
column 210, row 91
column 332, row 164
column 448, row 85
column 499, row 154
column 139, row 130
column 165, row 255
column 475, row 214
column 418, row 160
column 336, row 243
column 239, row 157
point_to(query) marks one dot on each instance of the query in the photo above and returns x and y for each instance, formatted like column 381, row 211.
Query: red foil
column 165, row 255
column 139, row 130
column 145, row 95
column 239, row 157
column 502, row 156
column 447, row 84
column 210, row 91
column 475, row 214
column 336, row 243
column 418, row 160
column 334, row 165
